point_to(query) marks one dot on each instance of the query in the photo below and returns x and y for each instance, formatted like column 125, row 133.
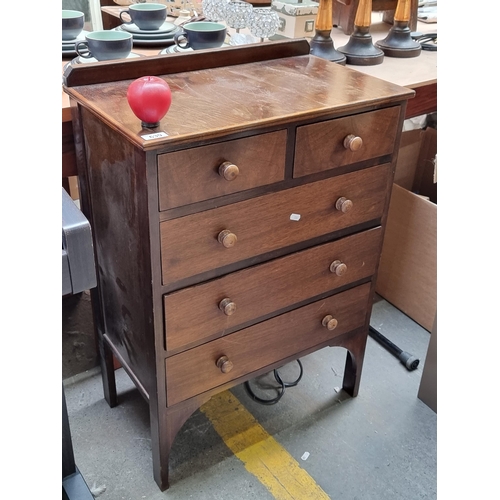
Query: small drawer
column 215, row 238
column 206, row 172
column 334, row 143
column 204, row 311
column 215, row 363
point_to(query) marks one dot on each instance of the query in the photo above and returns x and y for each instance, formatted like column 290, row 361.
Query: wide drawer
column 196, row 243
column 213, row 308
column 195, row 371
column 327, row 145
column 206, row 172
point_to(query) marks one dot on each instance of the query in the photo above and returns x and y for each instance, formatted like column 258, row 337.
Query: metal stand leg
column 407, row 359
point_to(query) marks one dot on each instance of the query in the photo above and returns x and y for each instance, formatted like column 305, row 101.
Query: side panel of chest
column 120, row 223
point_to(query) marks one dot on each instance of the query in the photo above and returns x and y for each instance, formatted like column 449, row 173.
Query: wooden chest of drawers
column 241, row 234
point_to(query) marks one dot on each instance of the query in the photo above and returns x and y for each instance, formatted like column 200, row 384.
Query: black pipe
column 407, row 359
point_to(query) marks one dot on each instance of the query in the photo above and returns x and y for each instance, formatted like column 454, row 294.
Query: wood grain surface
column 189, row 245
column 308, row 86
column 195, row 371
column 192, row 314
column 192, row 175
column 320, row 146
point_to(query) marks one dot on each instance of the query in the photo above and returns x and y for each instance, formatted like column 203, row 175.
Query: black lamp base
column 322, row 46
column 399, row 43
column 360, row 50
column 150, row 125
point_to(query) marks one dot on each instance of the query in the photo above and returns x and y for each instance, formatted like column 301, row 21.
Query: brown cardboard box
column 408, row 156
column 408, row 265
column 427, row 391
column 425, row 181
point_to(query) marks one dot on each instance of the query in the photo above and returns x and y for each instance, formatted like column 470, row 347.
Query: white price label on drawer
column 295, row 217
column 156, row 135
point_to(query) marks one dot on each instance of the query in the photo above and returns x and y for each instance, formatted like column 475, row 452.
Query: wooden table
column 419, row 74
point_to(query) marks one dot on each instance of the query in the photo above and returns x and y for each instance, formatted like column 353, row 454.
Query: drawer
column 203, row 311
column 253, row 227
column 195, row 371
column 193, row 175
column 331, row 144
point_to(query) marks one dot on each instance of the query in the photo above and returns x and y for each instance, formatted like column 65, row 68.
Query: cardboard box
column 427, row 391
column 409, row 152
column 408, row 266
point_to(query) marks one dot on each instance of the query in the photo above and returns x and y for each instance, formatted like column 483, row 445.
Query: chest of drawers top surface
column 212, row 101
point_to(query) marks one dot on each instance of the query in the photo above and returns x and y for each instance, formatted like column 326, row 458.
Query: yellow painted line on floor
column 262, row 455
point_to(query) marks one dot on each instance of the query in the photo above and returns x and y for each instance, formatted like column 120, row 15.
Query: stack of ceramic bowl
column 68, row 46
column 72, row 31
column 164, row 35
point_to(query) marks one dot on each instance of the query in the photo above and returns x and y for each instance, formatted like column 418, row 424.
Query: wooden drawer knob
column 353, row 142
column 343, row 205
column 229, row 171
column 227, row 306
column 227, row 238
column 330, row 322
column 224, row 364
column 338, row 267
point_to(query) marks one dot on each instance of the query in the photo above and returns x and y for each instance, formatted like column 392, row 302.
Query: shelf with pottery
column 414, row 72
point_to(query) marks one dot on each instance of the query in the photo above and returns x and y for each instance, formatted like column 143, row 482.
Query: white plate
column 155, row 43
column 155, row 37
column 165, row 36
column 166, row 27
column 82, row 60
column 174, row 49
column 166, row 39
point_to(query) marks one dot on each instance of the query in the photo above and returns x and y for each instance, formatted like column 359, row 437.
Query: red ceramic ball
column 149, row 97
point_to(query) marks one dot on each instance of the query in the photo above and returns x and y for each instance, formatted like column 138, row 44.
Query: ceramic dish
column 68, row 46
column 79, row 38
column 160, row 36
column 167, row 39
column 174, row 49
column 69, row 52
column 166, row 27
column 82, row 60
column 153, row 43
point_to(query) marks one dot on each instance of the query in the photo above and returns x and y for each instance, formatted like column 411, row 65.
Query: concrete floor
column 380, row 445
